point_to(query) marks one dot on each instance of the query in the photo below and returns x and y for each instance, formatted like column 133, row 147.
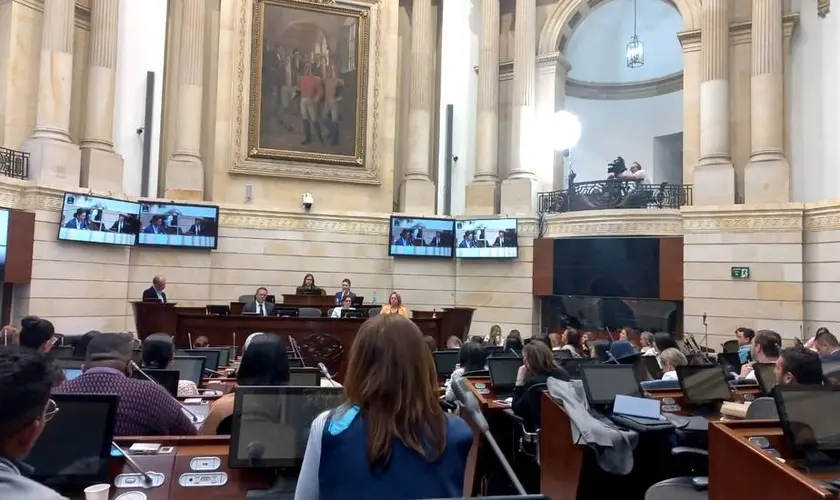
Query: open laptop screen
column 808, row 415
column 702, row 384
column 765, row 376
column 603, row 383
column 503, row 371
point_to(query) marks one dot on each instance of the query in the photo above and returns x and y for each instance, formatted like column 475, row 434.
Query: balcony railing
column 14, row 163
column 613, row 193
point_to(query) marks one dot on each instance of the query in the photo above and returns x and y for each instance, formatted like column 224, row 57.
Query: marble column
column 184, row 169
column 481, row 192
column 767, row 175
column 102, row 167
column 520, row 188
column 552, row 73
column 418, row 190
column 714, row 175
column 54, row 159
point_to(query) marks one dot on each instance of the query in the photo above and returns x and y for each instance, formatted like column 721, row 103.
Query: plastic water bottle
column 373, row 300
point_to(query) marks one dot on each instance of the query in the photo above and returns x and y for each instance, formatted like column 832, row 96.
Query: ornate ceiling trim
column 629, row 90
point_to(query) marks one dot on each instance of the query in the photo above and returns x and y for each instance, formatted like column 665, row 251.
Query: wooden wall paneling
column 543, row 275
column 21, row 240
column 671, row 268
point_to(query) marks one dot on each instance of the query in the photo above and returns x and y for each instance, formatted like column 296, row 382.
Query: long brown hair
column 539, row 359
column 391, row 376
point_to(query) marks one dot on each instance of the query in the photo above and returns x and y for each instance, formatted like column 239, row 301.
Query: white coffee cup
column 97, row 492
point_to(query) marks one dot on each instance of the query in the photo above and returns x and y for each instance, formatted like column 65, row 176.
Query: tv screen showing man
column 486, row 238
column 97, row 219
column 173, row 225
column 421, row 237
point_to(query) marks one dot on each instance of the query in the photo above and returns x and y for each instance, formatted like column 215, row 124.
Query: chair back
column 763, row 408
column 374, row 311
column 678, row 488
column 477, row 373
column 730, row 346
column 660, row 384
column 833, row 377
column 244, row 299
column 309, row 312
column 223, row 429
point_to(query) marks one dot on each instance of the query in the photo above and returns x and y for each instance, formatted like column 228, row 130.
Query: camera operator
column 636, row 173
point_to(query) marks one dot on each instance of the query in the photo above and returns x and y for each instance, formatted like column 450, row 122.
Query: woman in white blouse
column 346, row 302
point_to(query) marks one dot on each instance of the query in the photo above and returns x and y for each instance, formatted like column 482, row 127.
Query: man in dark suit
column 259, row 305
column 502, row 240
column 79, row 220
column 437, row 241
column 155, row 292
column 200, row 228
column 155, row 225
column 120, row 225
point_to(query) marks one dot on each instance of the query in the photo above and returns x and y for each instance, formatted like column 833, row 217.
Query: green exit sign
column 741, row 273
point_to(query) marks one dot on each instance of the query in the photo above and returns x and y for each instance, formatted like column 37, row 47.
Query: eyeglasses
column 50, row 411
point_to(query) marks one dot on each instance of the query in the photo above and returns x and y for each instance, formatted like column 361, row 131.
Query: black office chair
column 730, row 346
column 374, row 311
column 529, row 441
column 833, row 377
column 763, row 409
column 223, row 429
column 687, row 487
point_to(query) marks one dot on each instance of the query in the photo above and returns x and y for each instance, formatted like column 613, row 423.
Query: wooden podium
column 154, row 317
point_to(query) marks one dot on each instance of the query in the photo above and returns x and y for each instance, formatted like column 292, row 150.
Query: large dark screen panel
column 607, row 267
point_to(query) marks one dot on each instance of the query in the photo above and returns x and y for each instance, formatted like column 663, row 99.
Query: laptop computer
column 651, row 364
column 602, row 383
column 445, row 362
column 808, row 417
column 503, row 373
column 704, row 387
column 572, row 365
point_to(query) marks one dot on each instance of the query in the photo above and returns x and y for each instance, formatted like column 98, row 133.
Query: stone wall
column 84, row 286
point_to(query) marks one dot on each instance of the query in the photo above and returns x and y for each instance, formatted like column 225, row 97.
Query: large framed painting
column 309, row 82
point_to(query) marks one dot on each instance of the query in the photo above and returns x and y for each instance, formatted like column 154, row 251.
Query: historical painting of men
column 309, row 82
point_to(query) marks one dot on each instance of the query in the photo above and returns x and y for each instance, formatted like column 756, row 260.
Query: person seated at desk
column 36, row 334
column 495, row 336
column 308, row 286
column 344, row 292
column 574, row 342
column 155, row 225
column 79, row 220
column 799, row 365
column 647, row 344
column 669, row 360
column 556, row 341
column 155, row 293
column 538, row 365
column 259, row 306
column 827, row 346
column 159, row 354
column 346, row 305
column 200, row 342
column 471, row 358
column 264, row 363
column 453, row 342
column 26, row 380
column 391, row 439
column 144, row 408
column 513, row 341
column 394, row 306
column 745, row 339
column 765, row 349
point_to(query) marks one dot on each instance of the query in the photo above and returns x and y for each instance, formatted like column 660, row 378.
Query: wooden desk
column 671, row 398
column 324, row 340
column 730, row 451
column 488, row 399
column 561, row 460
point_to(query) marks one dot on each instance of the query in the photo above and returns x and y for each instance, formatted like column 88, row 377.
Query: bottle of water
column 373, row 300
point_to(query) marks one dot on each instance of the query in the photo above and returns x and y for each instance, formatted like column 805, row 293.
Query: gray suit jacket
column 251, row 307
column 14, row 485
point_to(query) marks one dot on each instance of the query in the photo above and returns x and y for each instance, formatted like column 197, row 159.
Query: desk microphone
column 195, row 418
column 612, row 357
column 469, row 403
column 147, row 479
column 255, row 450
column 234, row 346
column 326, row 373
column 214, row 372
column 609, row 333
column 189, row 338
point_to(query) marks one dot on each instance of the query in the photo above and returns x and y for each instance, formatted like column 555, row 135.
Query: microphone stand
column 195, row 417
column 148, row 481
column 326, row 373
column 296, row 350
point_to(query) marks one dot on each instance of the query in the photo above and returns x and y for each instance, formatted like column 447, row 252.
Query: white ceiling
column 597, row 47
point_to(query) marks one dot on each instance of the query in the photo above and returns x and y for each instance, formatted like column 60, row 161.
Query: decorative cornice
column 82, row 11
column 690, row 40
column 653, row 222
column 821, row 217
column 742, row 32
column 743, row 218
column 625, row 90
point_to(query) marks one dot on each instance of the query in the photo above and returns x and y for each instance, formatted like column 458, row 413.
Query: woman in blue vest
column 391, row 439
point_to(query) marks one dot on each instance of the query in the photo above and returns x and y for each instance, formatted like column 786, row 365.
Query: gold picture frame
column 329, row 42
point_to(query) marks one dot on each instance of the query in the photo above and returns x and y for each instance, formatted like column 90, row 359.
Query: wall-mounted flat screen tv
column 421, row 237
column 178, row 225
column 97, row 219
column 486, row 238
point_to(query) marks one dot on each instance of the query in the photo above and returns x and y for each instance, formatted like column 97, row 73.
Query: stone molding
column 823, row 7
column 653, row 222
column 742, row 218
column 82, row 20
column 370, row 170
column 625, row 90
